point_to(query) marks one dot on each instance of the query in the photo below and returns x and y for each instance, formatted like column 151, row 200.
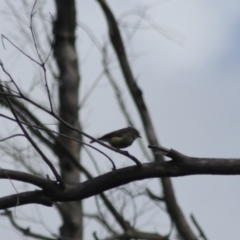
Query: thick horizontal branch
column 133, row 234
column 45, row 184
column 181, row 165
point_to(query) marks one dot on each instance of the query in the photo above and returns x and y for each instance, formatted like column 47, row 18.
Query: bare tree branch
column 202, row 234
column 25, row 231
column 134, row 234
column 40, row 182
column 116, row 39
column 46, row 160
column 74, row 192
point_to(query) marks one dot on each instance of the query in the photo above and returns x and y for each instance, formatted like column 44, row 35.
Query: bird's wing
column 117, row 133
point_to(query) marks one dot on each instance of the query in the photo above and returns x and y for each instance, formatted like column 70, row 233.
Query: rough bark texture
column 66, row 58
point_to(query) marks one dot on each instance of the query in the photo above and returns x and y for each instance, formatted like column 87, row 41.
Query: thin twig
column 12, row 136
column 4, row 37
column 125, row 153
column 33, row 36
column 39, row 55
column 198, row 227
column 26, row 231
column 76, row 140
column 47, row 161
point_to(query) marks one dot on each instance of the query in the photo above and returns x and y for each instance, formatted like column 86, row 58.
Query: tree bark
column 69, row 79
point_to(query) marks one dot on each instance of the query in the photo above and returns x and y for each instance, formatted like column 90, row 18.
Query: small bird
column 121, row 138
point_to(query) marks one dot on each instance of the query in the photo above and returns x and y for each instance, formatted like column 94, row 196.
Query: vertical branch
column 69, row 78
column 117, row 42
column 42, row 62
column 135, row 91
column 120, row 100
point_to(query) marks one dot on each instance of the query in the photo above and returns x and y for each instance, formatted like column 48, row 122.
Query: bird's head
column 134, row 132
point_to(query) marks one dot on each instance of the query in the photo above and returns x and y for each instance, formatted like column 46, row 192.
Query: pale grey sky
column 189, row 72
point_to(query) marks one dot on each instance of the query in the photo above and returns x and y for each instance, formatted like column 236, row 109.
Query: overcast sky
column 186, row 58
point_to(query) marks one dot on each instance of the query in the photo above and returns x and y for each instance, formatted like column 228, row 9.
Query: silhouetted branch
column 118, row 178
column 198, row 227
column 40, row 182
column 25, row 231
column 153, row 196
column 134, row 234
column 35, row 146
column 117, row 42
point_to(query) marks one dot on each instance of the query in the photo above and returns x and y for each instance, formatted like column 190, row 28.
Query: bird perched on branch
column 121, row 138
